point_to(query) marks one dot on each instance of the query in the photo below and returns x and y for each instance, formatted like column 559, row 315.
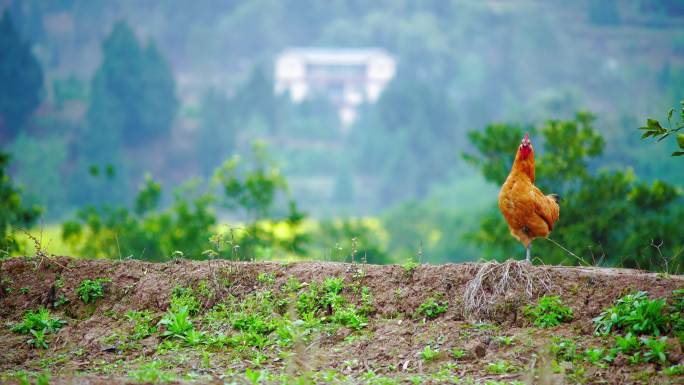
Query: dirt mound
column 391, row 344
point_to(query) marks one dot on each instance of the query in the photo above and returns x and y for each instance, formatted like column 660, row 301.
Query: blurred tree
column 407, row 139
column 21, row 79
column 36, row 166
column 133, row 91
column 609, row 217
column 13, row 213
column 217, row 130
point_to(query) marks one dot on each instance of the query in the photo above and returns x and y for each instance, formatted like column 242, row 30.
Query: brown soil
column 389, row 345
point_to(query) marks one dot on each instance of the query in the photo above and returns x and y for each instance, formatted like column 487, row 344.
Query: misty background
column 172, row 89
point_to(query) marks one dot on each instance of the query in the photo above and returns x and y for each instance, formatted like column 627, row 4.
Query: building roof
column 336, row 56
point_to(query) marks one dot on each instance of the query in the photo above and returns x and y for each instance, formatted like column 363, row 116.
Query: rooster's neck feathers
column 524, row 164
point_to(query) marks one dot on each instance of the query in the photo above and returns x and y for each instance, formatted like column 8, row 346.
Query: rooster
column 530, row 214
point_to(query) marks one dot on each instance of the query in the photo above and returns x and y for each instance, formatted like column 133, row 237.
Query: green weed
column 176, row 322
column 548, row 312
column 457, row 353
column 431, row 308
column 266, row 278
column 500, row 367
column 142, row 324
column 184, row 297
column 410, row 266
column 633, row 313
column 90, row 290
column 656, row 349
column 428, row 354
column 38, row 325
column 674, row 370
column 152, row 373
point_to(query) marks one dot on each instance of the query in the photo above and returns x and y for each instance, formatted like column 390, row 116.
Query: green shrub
column 549, row 312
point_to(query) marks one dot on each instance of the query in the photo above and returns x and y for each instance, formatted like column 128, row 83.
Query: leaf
column 669, row 113
column 678, row 153
column 647, row 134
column 654, row 124
column 680, row 140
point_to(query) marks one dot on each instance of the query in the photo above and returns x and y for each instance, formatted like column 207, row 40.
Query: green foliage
column 674, row 370
column 90, row 290
column 410, row 266
column 628, row 344
column 38, row 325
column 142, row 324
column 325, row 302
column 432, row 308
column 428, row 354
column 633, row 313
column 177, row 323
column 184, row 297
column 39, row 320
column 13, row 213
column 145, row 234
column 564, row 150
column 654, row 129
column 350, row 317
column 656, row 351
column 457, row 353
column 564, row 349
column 548, row 312
column 152, row 372
column 21, row 77
column 500, row 367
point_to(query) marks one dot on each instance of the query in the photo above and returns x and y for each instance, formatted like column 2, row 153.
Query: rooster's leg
column 529, row 250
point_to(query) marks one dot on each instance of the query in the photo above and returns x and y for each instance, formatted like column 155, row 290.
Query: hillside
column 295, row 323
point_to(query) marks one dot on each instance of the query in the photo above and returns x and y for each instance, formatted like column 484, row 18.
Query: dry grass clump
column 496, row 284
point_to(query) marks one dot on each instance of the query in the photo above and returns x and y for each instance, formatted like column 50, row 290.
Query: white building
column 348, row 77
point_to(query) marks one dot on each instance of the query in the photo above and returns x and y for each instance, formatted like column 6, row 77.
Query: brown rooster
column 530, row 214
